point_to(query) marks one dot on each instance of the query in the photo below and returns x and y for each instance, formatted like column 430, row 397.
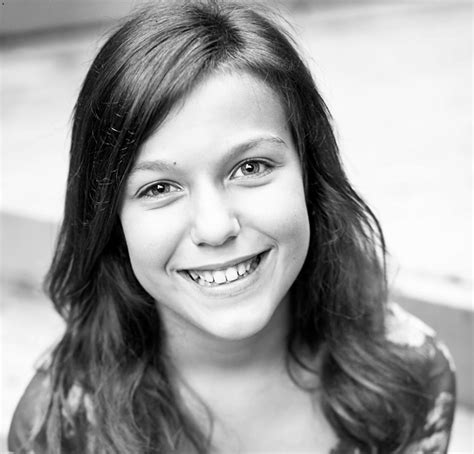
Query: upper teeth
column 229, row 274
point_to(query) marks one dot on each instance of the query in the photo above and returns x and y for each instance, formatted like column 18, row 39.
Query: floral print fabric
column 406, row 330
column 402, row 329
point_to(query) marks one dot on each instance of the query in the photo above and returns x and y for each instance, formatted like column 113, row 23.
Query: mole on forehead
column 161, row 165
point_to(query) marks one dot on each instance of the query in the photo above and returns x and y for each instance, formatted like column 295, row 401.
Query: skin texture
column 211, row 210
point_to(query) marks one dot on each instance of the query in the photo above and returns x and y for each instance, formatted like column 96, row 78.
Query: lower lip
column 231, row 288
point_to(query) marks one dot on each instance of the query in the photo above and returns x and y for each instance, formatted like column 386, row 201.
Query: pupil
column 250, row 167
column 160, row 188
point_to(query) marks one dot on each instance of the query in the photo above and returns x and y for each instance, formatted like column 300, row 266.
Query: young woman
column 223, row 286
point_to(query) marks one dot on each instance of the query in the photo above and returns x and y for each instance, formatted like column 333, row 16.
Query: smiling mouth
column 214, row 278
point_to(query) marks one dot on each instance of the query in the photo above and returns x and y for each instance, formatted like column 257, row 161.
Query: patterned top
column 403, row 329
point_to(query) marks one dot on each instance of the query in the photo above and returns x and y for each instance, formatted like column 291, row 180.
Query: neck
column 197, row 352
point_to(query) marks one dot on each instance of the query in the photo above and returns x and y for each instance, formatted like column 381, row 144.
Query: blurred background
column 397, row 77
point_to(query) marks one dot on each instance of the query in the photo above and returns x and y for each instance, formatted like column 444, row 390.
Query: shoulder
column 76, row 416
column 418, row 340
column 30, row 412
column 409, row 332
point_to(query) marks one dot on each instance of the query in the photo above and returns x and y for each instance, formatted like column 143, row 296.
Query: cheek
column 151, row 236
column 292, row 226
column 279, row 210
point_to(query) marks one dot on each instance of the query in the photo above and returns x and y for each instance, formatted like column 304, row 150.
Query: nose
column 213, row 219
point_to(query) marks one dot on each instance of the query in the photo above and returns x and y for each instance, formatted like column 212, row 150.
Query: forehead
column 223, row 110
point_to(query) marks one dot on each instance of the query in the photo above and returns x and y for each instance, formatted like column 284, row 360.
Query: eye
column 252, row 168
column 158, row 190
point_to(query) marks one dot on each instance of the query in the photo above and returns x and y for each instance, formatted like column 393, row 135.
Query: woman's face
column 214, row 211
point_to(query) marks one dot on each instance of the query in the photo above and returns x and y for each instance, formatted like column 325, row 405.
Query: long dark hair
column 114, row 345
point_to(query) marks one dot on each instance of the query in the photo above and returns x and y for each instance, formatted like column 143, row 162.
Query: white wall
column 20, row 16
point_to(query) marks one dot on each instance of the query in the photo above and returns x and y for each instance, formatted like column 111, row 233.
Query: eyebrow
column 158, row 165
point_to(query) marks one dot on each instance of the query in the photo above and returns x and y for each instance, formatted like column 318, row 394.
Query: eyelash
column 148, row 189
column 259, row 162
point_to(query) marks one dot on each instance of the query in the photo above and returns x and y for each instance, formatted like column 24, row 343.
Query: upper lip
column 222, row 265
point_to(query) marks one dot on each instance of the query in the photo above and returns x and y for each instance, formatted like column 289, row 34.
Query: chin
column 236, row 331
column 235, row 326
